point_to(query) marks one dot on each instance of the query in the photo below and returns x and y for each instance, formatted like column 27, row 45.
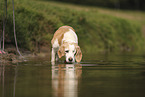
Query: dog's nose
column 70, row 59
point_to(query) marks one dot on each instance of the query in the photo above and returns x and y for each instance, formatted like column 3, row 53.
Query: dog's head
column 71, row 52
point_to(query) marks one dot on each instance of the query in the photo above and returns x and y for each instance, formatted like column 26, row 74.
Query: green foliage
column 36, row 21
column 114, row 34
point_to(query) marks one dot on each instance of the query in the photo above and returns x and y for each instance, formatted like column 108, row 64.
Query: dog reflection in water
column 65, row 79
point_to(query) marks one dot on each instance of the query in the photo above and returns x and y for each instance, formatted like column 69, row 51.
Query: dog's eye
column 66, row 51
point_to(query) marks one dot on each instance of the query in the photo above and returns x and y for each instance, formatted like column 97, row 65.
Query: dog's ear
column 78, row 55
column 61, row 51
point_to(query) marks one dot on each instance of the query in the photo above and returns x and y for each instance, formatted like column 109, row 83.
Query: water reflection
column 15, row 78
column 5, row 78
column 65, row 79
column 2, row 77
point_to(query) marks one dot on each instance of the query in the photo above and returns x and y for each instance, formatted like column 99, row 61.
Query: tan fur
column 61, row 50
column 60, row 33
column 78, row 55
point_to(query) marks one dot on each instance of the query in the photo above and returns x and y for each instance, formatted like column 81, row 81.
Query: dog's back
column 59, row 34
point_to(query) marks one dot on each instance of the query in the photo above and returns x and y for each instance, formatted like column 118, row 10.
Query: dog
column 65, row 43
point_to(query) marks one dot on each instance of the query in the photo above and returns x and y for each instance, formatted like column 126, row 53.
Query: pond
column 107, row 75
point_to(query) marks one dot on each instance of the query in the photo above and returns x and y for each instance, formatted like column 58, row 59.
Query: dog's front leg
column 53, row 55
column 57, row 58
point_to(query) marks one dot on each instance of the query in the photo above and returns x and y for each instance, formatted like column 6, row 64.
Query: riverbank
column 12, row 56
column 98, row 29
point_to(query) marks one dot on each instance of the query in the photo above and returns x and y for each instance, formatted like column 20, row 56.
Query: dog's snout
column 70, row 59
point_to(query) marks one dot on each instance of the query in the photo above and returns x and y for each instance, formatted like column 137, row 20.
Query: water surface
column 95, row 76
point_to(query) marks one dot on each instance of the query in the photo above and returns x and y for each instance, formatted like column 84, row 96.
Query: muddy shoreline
column 12, row 56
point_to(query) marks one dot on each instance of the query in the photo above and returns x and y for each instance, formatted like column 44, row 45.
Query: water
column 96, row 76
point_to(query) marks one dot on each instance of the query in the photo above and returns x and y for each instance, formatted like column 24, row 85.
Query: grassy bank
column 36, row 21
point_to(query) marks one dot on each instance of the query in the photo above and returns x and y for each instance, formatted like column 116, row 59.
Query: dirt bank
column 12, row 56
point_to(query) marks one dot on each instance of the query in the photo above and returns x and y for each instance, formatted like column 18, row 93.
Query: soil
column 12, row 56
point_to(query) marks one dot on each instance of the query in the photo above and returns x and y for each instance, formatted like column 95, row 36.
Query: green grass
column 98, row 29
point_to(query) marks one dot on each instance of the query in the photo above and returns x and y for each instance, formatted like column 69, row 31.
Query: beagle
column 65, row 43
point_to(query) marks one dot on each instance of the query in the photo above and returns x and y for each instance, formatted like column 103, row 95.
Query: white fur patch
column 71, row 53
column 71, row 47
column 70, row 37
column 55, row 44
